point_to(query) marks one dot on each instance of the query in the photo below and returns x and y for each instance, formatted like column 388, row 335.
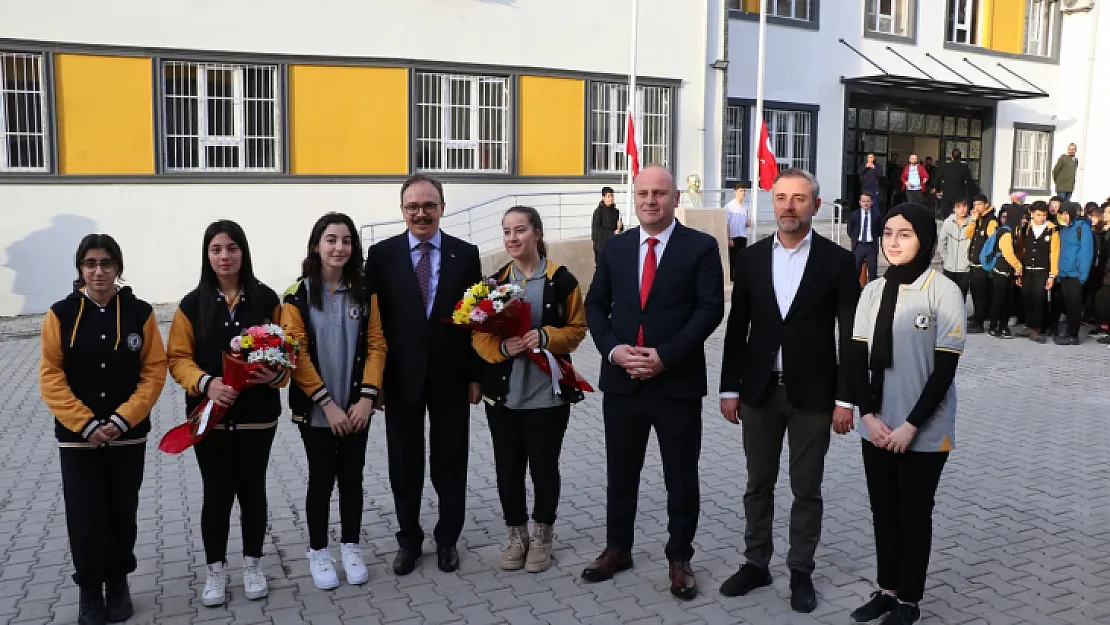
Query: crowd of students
column 1045, row 264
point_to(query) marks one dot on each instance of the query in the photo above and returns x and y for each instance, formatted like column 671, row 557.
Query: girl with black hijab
column 908, row 337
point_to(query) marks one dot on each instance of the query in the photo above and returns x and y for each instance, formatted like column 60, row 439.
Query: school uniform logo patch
column 922, row 322
column 134, row 342
column 354, row 312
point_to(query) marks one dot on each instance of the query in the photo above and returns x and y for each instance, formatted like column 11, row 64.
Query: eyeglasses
column 427, row 208
column 107, row 264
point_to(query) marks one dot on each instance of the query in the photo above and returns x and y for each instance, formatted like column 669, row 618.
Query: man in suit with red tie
column 657, row 296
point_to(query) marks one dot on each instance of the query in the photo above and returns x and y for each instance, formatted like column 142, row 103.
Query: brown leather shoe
column 683, row 584
column 608, row 564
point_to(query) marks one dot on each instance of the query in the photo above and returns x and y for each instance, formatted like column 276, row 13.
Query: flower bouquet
column 257, row 348
column 1018, row 197
column 500, row 310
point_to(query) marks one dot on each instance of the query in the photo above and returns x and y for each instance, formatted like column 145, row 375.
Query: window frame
column 1047, row 39
column 1052, row 58
column 46, row 112
column 280, row 78
column 617, row 120
column 813, row 23
column 1050, row 131
column 475, row 77
column 910, row 13
column 814, row 111
column 744, row 115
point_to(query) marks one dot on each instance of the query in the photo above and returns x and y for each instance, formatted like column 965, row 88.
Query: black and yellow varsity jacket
column 370, row 353
column 564, row 327
column 101, row 365
column 194, row 363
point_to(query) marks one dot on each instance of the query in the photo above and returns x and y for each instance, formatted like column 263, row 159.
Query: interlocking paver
column 1020, row 520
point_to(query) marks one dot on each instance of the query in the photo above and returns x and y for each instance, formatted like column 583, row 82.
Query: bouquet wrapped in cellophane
column 257, row 348
column 500, row 310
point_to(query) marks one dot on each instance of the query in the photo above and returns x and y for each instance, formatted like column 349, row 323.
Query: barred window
column 1031, row 159
column 889, row 17
column 735, row 142
column 23, row 125
column 221, row 117
column 462, row 123
column 789, row 9
column 609, row 126
column 791, row 134
column 1040, row 25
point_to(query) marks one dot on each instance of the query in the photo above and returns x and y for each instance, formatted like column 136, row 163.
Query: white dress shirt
column 736, row 214
column 434, row 256
column 660, row 247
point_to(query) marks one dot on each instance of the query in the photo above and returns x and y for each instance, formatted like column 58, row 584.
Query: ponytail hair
column 537, row 225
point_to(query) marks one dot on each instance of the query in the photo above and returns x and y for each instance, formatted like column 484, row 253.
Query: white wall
column 159, row 226
column 805, row 66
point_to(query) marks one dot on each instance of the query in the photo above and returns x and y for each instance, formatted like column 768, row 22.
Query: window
column 608, row 126
column 1031, row 159
column 787, row 9
column 1040, row 23
column 23, row 116
column 888, row 17
column 791, row 134
column 462, row 123
column 220, row 117
column 735, row 143
column 963, row 21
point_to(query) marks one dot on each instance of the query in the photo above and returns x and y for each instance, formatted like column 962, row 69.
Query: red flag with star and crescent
column 768, row 166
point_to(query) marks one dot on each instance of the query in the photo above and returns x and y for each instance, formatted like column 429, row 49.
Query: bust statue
column 692, row 196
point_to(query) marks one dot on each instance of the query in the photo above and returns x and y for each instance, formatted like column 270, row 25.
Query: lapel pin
column 452, row 256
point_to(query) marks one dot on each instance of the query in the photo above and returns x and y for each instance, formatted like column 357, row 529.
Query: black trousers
column 233, row 466
column 962, row 280
column 334, row 459
column 1071, row 292
column 1002, row 301
column 916, row 197
column 764, row 427
column 528, row 441
column 1033, row 283
column 738, row 243
column 101, row 491
column 902, row 488
column 1102, row 303
column 449, row 441
column 867, row 253
column 981, row 291
column 677, row 423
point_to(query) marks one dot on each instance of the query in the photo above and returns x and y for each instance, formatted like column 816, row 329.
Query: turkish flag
column 768, row 167
column 630, row 147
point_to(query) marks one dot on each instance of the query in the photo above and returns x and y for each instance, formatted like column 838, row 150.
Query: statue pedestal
column 710, row 221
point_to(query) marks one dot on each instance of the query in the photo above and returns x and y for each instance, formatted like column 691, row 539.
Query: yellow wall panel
column 348, row 120
column 552, row 126
column 751, row 6
column 105, row 114
column 1003, row 25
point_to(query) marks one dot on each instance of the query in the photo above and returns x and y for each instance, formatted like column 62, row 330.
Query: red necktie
column 646, row 280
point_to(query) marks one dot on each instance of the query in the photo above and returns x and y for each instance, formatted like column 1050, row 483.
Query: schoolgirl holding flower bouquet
column 103, row 367
column 335, row 386
column 234, row 456
column 527, row 418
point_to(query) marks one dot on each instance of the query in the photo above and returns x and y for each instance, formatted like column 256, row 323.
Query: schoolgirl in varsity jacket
column 103, row 367
column 335, row 386
column 234, row 456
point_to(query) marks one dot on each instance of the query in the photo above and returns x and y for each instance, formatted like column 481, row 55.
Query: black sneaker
column 117, row 598
column 1006, row 334
column 91, row 610
column 876, row 608
column 747, row 579
column 903, row 614
column 1064, row 339
column 803, row 596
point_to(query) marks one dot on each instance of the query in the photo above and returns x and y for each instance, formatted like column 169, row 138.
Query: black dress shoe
column 879, row 605
column 803, row 597
column 406, row 559
column 608, row 564
column 747, row 579
column 91, row 610
column 448, row 558
column 118, row 600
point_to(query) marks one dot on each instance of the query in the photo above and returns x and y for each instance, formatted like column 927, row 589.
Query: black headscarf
column 882, row 345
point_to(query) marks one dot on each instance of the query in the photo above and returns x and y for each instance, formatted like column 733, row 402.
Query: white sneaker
column 353, row 565
column 254, row 580
column 215, row 587
column 323, row 569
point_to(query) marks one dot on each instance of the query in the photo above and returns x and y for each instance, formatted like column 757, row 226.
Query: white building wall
column 159, row 225
column 805, row 66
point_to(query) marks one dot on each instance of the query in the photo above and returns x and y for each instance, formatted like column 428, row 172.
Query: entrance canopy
column 934, row 87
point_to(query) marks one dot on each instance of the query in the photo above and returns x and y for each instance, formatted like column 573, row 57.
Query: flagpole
column 757, row 131
column 631, row 112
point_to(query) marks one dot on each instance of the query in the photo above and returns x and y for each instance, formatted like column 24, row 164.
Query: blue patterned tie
column 424, row 271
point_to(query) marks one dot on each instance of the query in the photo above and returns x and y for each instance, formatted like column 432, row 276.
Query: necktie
column 650, row 264
column 424, row 271
column 865, row 231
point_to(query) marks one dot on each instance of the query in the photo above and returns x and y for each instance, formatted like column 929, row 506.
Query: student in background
column 1040, row 255
column 1007, row 268
column 954, row 245
column 736, row 213
column 1093, row 214
column 1076, row 252
column 606, row 221
column 980, row 227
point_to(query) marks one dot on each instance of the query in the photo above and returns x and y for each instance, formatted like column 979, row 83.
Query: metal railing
column 567, row 215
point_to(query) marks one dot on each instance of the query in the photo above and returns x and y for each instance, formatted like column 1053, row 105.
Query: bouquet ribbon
column 206, row 416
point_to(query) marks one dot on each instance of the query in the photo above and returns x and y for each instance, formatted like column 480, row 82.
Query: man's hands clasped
column 642, row 363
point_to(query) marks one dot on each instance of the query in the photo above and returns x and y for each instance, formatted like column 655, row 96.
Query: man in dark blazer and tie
column 865, row 230
column 780, row 375
column 419, row 276
column 657, row 296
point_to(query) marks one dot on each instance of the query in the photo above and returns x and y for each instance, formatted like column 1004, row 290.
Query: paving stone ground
column 1021, row 518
